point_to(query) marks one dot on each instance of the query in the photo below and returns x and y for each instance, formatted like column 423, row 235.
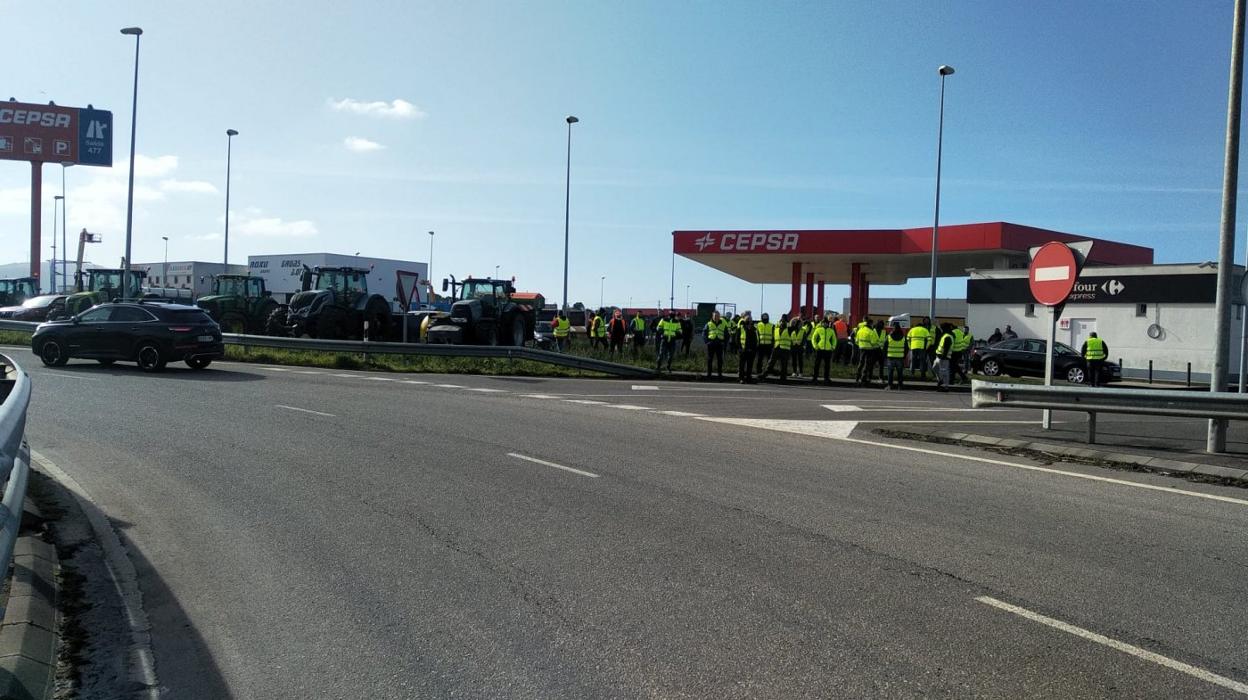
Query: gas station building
column 810, row 260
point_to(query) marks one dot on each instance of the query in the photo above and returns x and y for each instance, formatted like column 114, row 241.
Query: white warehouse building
column 1158, row 313
column 282, row 273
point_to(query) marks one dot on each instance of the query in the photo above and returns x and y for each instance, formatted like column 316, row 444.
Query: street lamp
column 229, row 148
column 944, row 72
column 429, row 270
column 567, row 197
column 134, row 120
column 57, row 199
column 687, row 286
column 602, row 284
column 64, row 227
column 164, row 267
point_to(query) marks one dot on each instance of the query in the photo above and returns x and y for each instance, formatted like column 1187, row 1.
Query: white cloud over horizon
column 192, row 186
column 394, row 109
column 357, row 144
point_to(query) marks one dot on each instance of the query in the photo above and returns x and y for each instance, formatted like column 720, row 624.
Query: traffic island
column 28, row 634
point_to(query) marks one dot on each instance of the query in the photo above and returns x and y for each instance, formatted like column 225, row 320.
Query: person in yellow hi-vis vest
column 766, row 339
column 920, row 339
column 667, row 337
column 715, row 333
column 895, row 355
column 823, row 339
column 1094, row 352
column 781, row 352
column 867, row 341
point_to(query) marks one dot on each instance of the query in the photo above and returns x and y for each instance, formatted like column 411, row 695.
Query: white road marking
column 628, row 406
column 121, row 570
column 308, row 371
column 1125, row 648
column 538, row 396
column 841, row 408
column 909, row 421
column 67, row 375
column 644, row 387
column 345, row 376
column 413, row 381
column 587, row 402
column 681, row 414
column 448, row 386
column 273, row 369
column 535, row 460
column 484, row 390
column 840, row 430
column 305, row 410
column 382, row 379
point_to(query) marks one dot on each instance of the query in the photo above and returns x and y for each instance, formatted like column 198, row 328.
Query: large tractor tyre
column 233, row 322
column 513, row 332
column 275, row 324
column 377, row 314
column 53, row 353
column 149, row 358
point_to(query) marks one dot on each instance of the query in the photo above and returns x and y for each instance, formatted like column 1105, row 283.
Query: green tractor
column 334, row 304
column 239, row 303
column 14, row 291
column 103, row 285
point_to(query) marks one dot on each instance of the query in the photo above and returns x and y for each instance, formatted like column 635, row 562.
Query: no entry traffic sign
column 1053, row 273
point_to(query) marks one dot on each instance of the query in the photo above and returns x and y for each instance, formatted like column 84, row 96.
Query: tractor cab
column 103, row 285
column 347, row 284
column 239, row 286
column 15, row 291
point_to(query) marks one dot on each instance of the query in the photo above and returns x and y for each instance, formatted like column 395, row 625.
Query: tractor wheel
column 515, row 334
column 275, row 324
column 233, row 323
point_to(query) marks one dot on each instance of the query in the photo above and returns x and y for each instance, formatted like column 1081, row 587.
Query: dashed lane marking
column 628, row 407
column 413, row 381
column 308, row 371
column 449, row 386
column 484, row 390
column 587, row 402
column 681, row 414
column 543, row 462
column 538, row 396
column 645, row 387
column 381, row 379
column 1195, row 672
column 305, row 410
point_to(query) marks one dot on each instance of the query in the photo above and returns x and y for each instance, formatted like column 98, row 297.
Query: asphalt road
column 308, row 533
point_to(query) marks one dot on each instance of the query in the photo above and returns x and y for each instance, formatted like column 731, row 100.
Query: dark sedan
column 150, row 334
column 35, row 309
column 1025, row 357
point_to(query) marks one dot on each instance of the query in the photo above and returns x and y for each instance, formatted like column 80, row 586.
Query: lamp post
column 496, row 271
column 567, row 204
column 56, row 200
column 135, row 32
column 944, row 72
column 687, row 286
column 64, row 228
column 602, row 284
column 229, row 151
column 164, row 267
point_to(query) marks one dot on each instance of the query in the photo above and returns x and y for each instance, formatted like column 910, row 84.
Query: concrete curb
column 28, row 644
column 1239, row 476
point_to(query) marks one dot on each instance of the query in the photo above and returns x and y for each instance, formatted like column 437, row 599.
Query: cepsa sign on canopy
column 736, row 242
column 55, row 134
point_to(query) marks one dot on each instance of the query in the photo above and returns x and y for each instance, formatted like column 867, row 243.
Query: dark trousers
column 639, row 342
column 778, row 356
column 715, row 354
column 1096, row 368
column 797, row 356
column 823, row 358
column 957, row 366
column 896, row 368
column 867, row 360
column 685, row 344
column 617, row 345
column 667, row 348
column 762, row 356
column 745, row 368
column 843, row 352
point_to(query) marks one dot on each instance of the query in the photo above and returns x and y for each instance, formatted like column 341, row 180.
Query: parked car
column 151, row 334
column 1025, row 357
column 39, row 308
column 544, row 336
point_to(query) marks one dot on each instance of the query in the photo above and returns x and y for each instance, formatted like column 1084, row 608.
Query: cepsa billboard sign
column 55, row 134
column 736, row 242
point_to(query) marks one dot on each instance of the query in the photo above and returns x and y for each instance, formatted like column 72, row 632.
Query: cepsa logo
column 747, row 242
column 32, row 117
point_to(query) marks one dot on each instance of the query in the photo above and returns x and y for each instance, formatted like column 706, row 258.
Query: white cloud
column 361, row 145
column 160, row 166
column 395, row 109
column 193, row 186
column 207, row 237
column 252, row 223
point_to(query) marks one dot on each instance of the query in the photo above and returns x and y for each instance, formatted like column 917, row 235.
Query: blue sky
column 1102, row 118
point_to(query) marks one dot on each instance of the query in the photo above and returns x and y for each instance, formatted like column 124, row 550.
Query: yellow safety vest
column 1096, row 349
column 945, row 345
column 896, row 348
column 716, row 331
column 562, row 326
column 765, row 332
column 823, row 338
column 600, row 327
column 866, row 338
column 784, row 339
column 919, row 337
column 670, row 329
column 639, row 323
column 961, row 340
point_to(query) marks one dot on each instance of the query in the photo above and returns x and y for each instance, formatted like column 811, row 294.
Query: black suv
column 147, row 333
column 1025, row 357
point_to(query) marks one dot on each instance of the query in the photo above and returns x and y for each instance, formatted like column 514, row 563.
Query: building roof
column 887, row 256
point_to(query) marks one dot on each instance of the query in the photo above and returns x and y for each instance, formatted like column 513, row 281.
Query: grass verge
column 402, row 363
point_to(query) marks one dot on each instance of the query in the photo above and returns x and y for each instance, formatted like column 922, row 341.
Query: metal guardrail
column 14, row 457
column 1091, row 400
column 429, row 349
column 438, row 350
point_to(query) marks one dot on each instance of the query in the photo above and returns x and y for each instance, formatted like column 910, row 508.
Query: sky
column 364, row 125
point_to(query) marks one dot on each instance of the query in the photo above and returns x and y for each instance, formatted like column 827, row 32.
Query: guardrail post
column 1091, row 427
column 1189, row 374
column 1150, row 371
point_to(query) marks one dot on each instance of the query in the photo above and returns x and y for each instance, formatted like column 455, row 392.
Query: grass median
column 402, row 363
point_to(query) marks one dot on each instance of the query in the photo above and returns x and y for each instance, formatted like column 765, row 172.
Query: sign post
column 1054, row 268
column 50, row 133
